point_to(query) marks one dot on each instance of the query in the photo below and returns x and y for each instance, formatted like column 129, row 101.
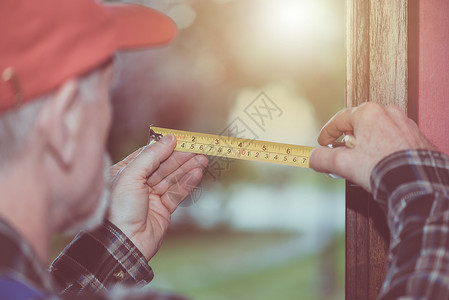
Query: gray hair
column 17, row 124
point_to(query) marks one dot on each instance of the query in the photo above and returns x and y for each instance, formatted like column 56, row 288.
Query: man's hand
column 147, row 187
column 379, row 132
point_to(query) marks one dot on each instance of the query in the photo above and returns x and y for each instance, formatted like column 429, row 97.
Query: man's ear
column 60, row 118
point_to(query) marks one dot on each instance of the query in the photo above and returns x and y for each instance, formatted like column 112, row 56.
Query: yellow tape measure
column 239, row 148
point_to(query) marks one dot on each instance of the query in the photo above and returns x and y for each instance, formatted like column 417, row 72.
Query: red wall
column 433, row 115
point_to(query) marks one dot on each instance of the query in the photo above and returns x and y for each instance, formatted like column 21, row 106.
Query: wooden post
column 378, row 69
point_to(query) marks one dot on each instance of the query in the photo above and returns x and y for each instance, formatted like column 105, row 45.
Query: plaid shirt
column 413, row 187
column 102, row 264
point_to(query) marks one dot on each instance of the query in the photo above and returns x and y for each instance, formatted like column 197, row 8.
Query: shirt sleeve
column 98, row 260
column 413, row 187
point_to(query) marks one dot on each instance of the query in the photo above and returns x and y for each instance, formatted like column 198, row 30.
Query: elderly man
column 56, row 67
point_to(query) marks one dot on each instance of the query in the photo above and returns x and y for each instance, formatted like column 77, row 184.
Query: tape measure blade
column 239, row 148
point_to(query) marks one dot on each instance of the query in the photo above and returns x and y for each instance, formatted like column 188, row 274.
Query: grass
column 228, row 265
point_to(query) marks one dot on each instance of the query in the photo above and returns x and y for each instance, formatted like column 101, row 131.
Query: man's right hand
column 379, row 132
column 148, row 186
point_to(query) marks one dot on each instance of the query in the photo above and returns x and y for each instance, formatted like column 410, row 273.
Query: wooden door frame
column 381, row 66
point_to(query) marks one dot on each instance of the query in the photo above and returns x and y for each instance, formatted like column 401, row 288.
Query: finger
column 335, row 127
column 196, row 162
column 183, row 186
column 402, row 120
column 339, row 162
column 149, row 159
column 333, row 161
column 395, row 112
column 175, row 160
column 398, row 116
column 348, row 120
column 409, row 128
column 123, row 163
column 323, row 160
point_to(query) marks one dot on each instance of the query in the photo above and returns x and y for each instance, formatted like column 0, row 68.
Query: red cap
column 45, row 42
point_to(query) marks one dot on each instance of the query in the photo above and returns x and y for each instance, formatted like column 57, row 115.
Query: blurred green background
column 253, row 230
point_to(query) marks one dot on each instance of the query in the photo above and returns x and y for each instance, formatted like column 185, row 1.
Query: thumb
column 323, row 160
column 151, row 156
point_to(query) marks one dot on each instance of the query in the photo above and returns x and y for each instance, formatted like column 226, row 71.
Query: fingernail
column 167, row 139
column 334, row 176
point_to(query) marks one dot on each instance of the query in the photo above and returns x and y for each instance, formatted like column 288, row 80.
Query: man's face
column 92, row 168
